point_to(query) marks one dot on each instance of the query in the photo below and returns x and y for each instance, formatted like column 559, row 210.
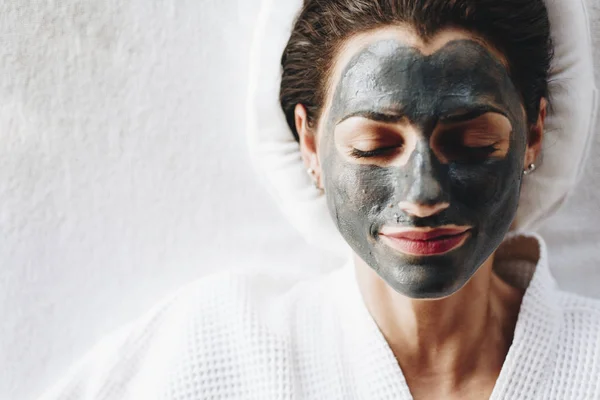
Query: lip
column 426, row 241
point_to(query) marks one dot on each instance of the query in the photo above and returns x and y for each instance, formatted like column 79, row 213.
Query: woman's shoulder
column 581, row 307
column 225, row 324
column 264, row 297
column 577, row 345
column 581, row 322
column 573, row 300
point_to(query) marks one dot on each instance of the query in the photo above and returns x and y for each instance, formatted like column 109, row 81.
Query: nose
column 422, row 210
column 425, row 196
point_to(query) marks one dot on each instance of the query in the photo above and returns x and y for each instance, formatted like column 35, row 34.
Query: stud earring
column 312, row 172
column 530, row 168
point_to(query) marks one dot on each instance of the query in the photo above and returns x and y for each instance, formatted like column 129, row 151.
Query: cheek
column 357, row 194
column 357, row 187
column 474, row 187
column 486, row 186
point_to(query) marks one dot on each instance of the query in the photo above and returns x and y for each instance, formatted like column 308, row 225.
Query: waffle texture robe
column 252, row 336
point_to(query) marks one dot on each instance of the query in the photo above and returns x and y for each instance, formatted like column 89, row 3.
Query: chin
column 435, row 278
column 426, row 290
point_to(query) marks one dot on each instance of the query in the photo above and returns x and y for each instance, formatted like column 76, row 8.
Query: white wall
column 123, row 169
column 124, row 173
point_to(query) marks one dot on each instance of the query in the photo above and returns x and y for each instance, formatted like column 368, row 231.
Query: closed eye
column 486, row 149
column 481, row 152
column 383, row 151
column 461, row 154
column 487, row 137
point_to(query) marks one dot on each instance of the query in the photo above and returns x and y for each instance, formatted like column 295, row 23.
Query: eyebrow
column 471, row 112
column 391, row 117
column 460, row 114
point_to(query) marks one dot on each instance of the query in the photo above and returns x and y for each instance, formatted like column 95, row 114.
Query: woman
column 419, row 120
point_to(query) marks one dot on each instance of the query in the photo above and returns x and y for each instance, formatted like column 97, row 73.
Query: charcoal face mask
column 482, row 193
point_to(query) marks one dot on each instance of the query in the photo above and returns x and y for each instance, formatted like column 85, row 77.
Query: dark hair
column 520, row 29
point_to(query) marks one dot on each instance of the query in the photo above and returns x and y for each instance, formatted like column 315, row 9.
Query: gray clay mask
column 456, row 158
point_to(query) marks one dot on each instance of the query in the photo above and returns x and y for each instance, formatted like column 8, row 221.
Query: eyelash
column 372, row 153
column 485, row 150
column 476, row 155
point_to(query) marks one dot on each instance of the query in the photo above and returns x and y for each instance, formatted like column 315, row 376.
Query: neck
column 450, row 338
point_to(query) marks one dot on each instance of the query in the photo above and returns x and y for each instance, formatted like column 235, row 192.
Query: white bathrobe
column 248, row 336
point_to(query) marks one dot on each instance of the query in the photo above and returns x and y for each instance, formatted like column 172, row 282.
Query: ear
column 308, row 143
column 536, row 135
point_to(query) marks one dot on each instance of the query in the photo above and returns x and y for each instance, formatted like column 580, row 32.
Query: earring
column 311, row 172
column 529, row 169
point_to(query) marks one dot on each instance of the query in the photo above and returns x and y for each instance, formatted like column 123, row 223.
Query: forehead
column 405, row 36
column 395, row 65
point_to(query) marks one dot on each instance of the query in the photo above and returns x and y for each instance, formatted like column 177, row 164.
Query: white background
column 124, row 172
column 123, row 169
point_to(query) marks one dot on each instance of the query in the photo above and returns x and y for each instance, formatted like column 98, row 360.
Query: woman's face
column 420, row 151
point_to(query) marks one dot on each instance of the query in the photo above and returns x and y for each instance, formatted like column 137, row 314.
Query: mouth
column 425, row 242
